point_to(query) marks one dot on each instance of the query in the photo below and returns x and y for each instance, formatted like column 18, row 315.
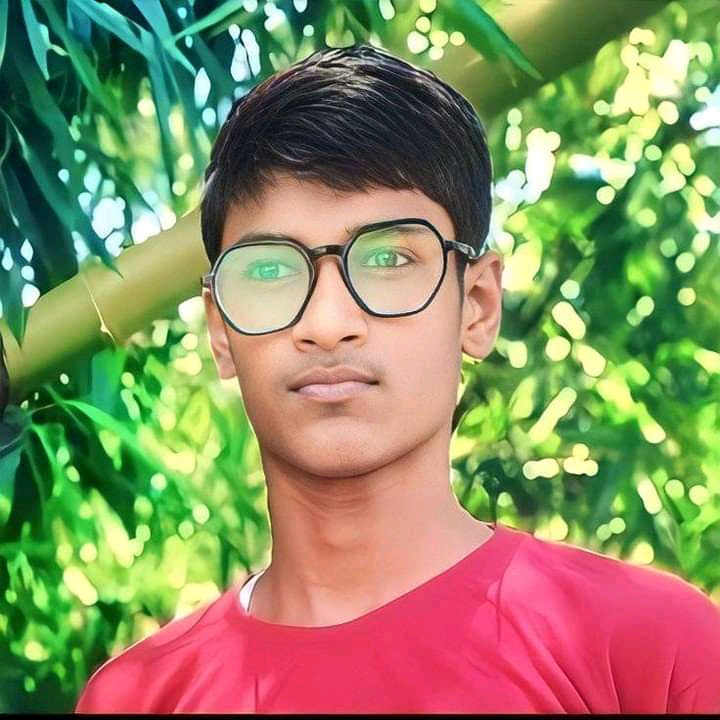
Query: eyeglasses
column 392, row 268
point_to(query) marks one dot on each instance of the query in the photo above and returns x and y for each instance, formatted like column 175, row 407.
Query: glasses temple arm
column 468, row 250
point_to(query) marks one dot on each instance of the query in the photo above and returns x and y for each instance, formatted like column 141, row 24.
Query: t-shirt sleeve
column 664, row 643
column 149, row 675
column 112, row 688
column 695, row 682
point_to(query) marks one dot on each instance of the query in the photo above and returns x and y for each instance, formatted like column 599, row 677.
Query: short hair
column 353, row 118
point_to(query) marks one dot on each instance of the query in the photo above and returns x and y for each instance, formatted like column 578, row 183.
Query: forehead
column 315, row 214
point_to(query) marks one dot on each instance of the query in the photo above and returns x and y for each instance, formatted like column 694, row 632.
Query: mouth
column 334, row 392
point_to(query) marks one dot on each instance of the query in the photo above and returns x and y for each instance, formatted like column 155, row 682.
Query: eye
column 386, row 255
column 267, row 270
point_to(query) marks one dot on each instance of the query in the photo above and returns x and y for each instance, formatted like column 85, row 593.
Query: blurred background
column 130, row 485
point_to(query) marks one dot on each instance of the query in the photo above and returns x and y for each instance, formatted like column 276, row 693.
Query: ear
column 217, row 332
column 482, row 306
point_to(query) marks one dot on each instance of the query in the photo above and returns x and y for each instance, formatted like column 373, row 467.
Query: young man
column 383, row 593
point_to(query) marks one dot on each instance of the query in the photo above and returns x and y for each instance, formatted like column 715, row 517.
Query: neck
column 342, row 547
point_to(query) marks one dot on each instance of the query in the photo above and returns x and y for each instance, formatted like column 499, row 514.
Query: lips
column 334, row 391
column 331, row 376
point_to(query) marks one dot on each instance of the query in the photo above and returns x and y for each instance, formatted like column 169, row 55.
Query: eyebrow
column 268, row 235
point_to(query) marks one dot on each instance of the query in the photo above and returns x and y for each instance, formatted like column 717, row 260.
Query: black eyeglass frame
column 312, row 254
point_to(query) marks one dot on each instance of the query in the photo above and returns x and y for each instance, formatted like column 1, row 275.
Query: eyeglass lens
column 262, row 286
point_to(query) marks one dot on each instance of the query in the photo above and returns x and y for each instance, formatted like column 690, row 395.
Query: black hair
column 353, row 118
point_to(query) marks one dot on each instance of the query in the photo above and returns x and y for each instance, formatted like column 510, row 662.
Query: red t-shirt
column 521, row 624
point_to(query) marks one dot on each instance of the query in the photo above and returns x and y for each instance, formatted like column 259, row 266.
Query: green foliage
column 131, row 488
column 596, row 419
column 135, row 499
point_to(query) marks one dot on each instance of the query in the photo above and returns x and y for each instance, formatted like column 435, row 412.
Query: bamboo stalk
column 555, row 35
column 96, row 307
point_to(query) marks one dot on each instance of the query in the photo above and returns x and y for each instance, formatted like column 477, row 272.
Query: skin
column 359, row 498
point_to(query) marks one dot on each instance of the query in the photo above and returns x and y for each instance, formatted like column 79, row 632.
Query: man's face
column 414, row 359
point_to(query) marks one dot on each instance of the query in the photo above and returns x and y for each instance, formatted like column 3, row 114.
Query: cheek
column 425, row 367
column 258, row 374
column 436, row 336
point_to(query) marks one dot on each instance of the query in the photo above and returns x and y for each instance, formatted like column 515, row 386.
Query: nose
column 331, row 313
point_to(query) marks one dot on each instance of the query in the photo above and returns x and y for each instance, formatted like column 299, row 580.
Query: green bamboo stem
column 555, row 35
column 97, row 308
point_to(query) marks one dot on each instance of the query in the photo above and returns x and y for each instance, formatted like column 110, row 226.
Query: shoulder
column 605, row 580
column 652, row 625
column 139, row 677
column 625, row 595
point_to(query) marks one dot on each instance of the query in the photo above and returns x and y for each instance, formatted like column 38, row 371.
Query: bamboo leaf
column 102, row 419
column 106, row 368
column 13, row 427
column 114, row 22
column 485, row 35
column 222, row 80
column 185, row 91
column 377, row 22
column 13, row 310
column 154, row 14
column 56, row 194
column 359, row 30
column 44, row 106
column 5, row 197
column 54, row 256
column 85, row 71
column 3, row 28
column 42, row 432
column 78, row 23
column 122, row 179
column 8, row 144
column 161, row 97
column 214, row 18
column 37, row 41
column 117, row 487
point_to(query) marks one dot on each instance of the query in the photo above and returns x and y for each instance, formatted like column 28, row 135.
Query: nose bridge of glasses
column 323, row 250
